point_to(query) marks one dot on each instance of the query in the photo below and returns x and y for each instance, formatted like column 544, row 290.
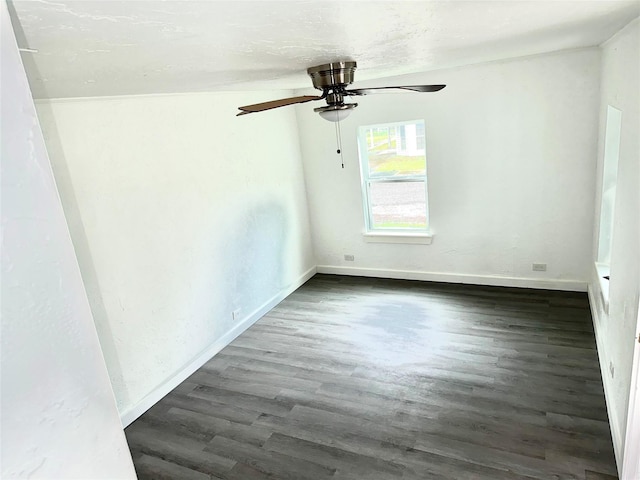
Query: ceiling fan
column 333, row 79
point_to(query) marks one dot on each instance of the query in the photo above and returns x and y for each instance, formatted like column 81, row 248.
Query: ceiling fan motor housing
column 332, row 75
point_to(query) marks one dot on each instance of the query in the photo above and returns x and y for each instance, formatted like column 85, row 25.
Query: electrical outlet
column 539, row 267
column 235, row 315
column 611, row 369
column 349, row 258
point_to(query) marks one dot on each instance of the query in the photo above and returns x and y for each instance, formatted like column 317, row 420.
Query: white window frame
column 607, row 200
column 389, row 235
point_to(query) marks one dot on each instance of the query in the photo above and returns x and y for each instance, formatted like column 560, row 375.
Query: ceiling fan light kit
column 335, row 113
column 333, row 79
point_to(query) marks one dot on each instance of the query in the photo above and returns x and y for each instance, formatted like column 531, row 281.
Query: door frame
column 631, row 457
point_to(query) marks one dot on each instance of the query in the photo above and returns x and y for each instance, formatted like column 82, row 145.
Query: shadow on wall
column 256, row 259
column 252, row 270
column 85, row 261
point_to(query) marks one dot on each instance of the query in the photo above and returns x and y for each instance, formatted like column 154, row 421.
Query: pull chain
column 339, row 142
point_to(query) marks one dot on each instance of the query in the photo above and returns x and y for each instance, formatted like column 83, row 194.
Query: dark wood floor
column 355, row 378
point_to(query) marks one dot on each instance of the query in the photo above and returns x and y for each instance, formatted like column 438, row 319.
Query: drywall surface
column 511, row 170
column 59, row 418
column 615, row 330
column 181, row 214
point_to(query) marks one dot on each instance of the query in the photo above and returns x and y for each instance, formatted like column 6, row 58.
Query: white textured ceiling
column 96, row 48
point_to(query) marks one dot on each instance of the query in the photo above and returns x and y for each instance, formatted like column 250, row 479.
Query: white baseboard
column 616, row 434
column 493, row 280
column 129, row 415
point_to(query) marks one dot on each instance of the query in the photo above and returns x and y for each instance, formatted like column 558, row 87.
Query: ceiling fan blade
column 413, row 88
column 283, row 102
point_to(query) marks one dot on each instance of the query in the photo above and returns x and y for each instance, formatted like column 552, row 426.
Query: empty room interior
column 320, row 239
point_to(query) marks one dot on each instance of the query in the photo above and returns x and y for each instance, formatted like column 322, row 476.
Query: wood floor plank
column 362, row 378
column 346, row 463
column 154, row 467
column 178, row 450
column 277, row 465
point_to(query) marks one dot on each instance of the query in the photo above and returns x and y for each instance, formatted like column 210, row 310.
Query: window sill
column 398, row 237
column 603, row 271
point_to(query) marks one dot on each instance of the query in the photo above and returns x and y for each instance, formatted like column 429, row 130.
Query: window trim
column 390, row 235
column 423, row 238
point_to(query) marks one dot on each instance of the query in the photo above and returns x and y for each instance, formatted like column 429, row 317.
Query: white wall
column 59, row 418
column 511, row 170
column 615, row 331
column 180, row 213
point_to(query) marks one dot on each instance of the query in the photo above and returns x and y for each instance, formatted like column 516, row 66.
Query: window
column 608, row 199
column 393, row 166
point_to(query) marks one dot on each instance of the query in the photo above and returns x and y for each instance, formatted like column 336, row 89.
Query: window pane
column 609, row 180
column 396, row 150
column 398, row 204
column 394, row 173
column 420, row 137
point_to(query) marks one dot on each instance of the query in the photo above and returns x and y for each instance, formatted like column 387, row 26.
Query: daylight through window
column 394, row 176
